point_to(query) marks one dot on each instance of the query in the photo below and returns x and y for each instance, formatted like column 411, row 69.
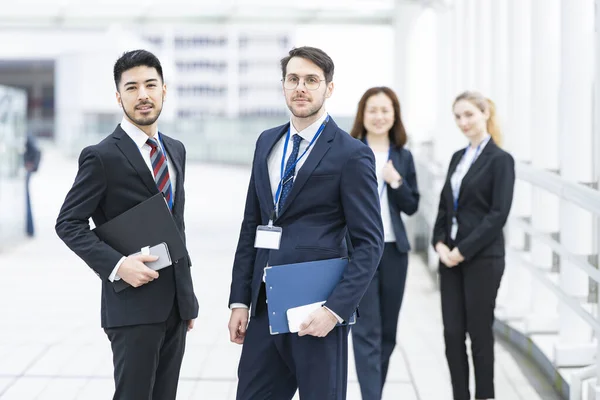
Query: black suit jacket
column 484, row 203
column 112, row 178
column 334, row 192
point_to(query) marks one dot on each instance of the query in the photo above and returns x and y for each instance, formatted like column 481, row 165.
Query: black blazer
column 404, row 199
column 112, row 178
column 484, row 203
column 334, row 192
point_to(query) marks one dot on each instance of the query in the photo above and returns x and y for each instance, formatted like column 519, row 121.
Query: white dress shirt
column 139, row 137
column 274, row 160
column 274, row 166
column 381, row 159
column 461, row 170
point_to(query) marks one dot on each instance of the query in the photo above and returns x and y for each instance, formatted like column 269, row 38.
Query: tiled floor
column 52, row 347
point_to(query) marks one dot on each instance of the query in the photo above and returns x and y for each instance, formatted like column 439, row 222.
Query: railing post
column 575, row 347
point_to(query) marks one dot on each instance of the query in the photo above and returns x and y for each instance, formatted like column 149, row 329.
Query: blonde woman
column 474, row 205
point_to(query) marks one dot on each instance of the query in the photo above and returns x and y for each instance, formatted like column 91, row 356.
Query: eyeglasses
column 311, row 82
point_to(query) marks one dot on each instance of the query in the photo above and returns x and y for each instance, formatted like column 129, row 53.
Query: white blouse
column 468, row 158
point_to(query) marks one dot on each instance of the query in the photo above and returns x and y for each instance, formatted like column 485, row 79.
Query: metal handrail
column 574, row 192
column 579, row 261
column 566, row 299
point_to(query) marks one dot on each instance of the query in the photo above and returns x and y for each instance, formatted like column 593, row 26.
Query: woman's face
column 470, row 119
column 379, row 114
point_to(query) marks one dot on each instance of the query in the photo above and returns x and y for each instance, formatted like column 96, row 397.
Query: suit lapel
column 481, row 160
column 321, row 147
column 133, row 155
column 175, row 159
column 263, row 181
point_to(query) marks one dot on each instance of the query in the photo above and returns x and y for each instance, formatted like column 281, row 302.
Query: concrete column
column 458, row 38
column 544, row 129
column 443, row 143
column 514, row 295
column 484, row 56
column 405, row 16
column 500, row 58
column 468, row 43
column 576, row 165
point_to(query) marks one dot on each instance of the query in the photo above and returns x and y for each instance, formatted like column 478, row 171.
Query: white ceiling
column 101, row 12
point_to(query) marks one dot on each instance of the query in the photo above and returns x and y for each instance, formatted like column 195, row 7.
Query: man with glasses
column 316, row 185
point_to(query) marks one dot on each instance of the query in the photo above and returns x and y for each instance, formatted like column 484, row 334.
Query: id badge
column 268, row 237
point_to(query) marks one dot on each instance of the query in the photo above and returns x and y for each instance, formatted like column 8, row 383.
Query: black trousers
column 147, row 358
column 468, row 294
column 273, row 367
column 374, row 334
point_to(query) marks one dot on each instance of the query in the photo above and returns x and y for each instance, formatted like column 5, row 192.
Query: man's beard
column 145, row 121
column 308, row 112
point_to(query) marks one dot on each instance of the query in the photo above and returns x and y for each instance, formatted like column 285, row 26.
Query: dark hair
column 397, row 132
column 135, row 58
column 317, row 56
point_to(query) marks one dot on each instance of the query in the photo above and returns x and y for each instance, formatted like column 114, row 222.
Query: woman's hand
column 390, row 174
column 444, row 254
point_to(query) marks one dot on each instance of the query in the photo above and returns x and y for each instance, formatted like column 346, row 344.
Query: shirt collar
column 310, row 131
column 483, row 143
column 138, row 136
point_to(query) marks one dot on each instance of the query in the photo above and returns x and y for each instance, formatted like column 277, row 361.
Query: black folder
column 146, row 224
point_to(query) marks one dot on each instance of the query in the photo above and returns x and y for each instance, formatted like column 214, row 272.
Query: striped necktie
column 160, row 171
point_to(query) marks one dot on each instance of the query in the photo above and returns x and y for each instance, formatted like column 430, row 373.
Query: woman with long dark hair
column 379, row 124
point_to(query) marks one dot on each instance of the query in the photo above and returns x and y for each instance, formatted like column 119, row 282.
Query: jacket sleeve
column 82, row 200
column 502, row 194
column 245, row 254
column 407, row 195
column 440, row 227
column 360, row 202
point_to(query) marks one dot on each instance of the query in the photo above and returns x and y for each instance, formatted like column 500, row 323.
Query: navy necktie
column 288, row 179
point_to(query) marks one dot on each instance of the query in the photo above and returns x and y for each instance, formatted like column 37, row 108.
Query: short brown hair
column 317, row 56
column 397, row 132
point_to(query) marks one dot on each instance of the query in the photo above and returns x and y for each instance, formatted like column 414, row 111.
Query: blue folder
column 294, row 285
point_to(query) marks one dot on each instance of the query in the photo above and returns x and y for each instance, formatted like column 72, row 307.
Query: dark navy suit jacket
column 404, row 199
column 334, row 193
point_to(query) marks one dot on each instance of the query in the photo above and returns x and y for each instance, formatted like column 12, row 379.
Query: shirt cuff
column 334, row 314
column 113, row 277
column 237, row 305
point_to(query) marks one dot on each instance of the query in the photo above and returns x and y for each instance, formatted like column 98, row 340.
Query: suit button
column 176, row 261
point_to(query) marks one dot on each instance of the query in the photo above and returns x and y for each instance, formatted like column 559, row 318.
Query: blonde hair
column 483, row 104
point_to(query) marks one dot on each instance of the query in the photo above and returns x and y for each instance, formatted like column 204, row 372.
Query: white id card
column 267, row 237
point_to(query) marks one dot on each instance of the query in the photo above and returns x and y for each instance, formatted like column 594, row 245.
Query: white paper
column 298, row 315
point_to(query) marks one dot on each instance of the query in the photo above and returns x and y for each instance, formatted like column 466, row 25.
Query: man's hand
column 190, row 325
column 444, row 254
column 134, row 271
column 238, row 324
column 319, row 323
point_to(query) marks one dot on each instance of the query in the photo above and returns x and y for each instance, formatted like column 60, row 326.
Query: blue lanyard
column 291, row 168
column 383, row 184
column 456, row 193
column 167, row 166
